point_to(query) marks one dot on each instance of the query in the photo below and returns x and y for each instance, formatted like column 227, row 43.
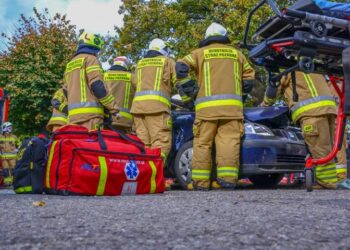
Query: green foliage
column 183, row 24
column 32, row 67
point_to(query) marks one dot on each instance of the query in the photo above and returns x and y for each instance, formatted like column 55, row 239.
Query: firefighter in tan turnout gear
column 119, row 83
column 8, row 147
column 155, row 77
column 315, row 109
column 223, row 73
column 59, row 112
column 86, row 92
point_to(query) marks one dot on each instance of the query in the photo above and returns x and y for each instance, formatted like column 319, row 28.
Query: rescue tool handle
column 295, row 13
column 122, row 135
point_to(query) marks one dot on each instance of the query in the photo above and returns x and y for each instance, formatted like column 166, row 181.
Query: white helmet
column 122, row 61
column 160, row 46
column 215, row 29
column 7, row 127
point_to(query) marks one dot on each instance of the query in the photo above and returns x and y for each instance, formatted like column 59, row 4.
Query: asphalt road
column 242, row 219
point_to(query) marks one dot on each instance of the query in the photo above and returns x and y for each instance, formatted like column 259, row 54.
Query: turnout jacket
column 60, row 109
column 314, row 95
column 221, row 71
column 120, row 84
column 155, row 78
column 8, row 146
column 86, row 92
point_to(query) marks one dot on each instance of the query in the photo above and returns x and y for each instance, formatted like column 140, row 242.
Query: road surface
column 242, row 219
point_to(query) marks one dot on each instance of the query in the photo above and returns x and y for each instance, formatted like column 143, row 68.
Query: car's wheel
column 309, row 176
column 183, row 164
column 266, row 180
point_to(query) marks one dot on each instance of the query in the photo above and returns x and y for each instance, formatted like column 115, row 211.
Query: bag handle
column 122, row 135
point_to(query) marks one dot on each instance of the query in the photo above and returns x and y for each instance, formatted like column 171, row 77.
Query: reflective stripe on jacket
column 121, row 86
column 220, row 70
column 155, row 78
column 57, row 119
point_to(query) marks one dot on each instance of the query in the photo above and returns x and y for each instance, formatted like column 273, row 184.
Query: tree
column 32, row 67
column 182, row 22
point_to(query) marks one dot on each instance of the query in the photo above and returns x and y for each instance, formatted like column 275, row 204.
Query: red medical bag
column 101, row 163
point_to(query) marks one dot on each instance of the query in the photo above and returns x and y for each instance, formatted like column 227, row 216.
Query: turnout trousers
column 226, row 134
column 318, row 134
column 154, row 130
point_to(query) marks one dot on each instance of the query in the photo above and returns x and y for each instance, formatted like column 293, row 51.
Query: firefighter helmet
column 7, row 127
column 160, row 46
column 215, row 29
column 122, row 61
column 94, row 40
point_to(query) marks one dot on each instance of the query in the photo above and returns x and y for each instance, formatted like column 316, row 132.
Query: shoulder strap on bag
column 122, row 135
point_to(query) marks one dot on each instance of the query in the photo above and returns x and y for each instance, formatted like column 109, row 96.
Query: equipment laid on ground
column 29, row 171
column 312, row 36
column 270, row 147
column 101, row 162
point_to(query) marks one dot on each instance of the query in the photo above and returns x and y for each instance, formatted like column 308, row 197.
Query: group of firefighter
column 139, row 101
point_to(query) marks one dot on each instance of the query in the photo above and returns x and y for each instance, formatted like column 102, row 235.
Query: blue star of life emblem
column 131, row 170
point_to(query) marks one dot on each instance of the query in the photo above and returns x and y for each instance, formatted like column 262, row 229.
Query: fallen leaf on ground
column 39, row 203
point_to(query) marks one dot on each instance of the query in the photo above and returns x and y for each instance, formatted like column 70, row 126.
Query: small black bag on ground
column 29, row 171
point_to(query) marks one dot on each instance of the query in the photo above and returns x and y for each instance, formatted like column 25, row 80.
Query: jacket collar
column 86, row 49
column 118, row 68
column 153, row 53
column 214, row 39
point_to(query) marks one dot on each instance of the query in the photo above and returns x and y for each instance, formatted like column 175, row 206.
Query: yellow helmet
column 94, row 40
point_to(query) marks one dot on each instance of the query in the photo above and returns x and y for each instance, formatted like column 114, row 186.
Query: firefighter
column 223, row 73
column 59, row 112
column 314, row 108
column 119, row 83
column 87, row 94
column 155, row 78
column 8, row 147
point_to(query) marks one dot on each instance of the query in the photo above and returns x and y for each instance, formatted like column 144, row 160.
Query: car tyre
column 183, row 164
column 266, row 180
column 309, row 179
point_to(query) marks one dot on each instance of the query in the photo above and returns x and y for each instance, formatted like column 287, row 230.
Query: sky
column 95, row 16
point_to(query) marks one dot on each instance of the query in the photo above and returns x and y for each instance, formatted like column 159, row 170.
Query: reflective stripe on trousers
column 219, row 100
column 227, row 171
column 309, row 104
column 151, row 95
column 200, row 174
column 326, row 173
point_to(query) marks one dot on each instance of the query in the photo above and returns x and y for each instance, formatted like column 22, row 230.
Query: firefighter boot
column 8, row 178
column 226, row 184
